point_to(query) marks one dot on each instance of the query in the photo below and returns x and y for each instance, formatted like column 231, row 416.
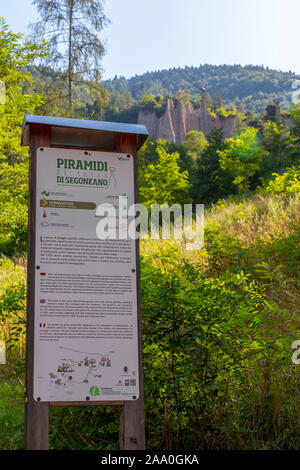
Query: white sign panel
column 86, row 340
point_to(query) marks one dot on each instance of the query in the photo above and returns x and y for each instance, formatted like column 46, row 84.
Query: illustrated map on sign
column 87, row 369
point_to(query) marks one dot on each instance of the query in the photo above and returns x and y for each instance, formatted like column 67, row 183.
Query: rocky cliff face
column 178, row 120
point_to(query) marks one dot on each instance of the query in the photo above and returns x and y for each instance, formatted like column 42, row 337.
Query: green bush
column 287, row 183
column 11, row 417
column 203, row 339
column 13, row 208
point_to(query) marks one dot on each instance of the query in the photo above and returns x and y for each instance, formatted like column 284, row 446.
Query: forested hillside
column 254, row 86
column 250, row 88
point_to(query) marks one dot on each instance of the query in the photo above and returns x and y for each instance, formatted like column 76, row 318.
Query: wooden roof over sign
column 101, row 127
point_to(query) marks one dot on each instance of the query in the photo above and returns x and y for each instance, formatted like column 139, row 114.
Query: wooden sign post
column 76, row 341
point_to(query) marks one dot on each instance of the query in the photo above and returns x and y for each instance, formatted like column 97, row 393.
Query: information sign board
column 85, row 325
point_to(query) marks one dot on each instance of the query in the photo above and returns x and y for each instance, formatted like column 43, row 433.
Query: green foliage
column 11, row 417
column 287, row 183
column 15, row 55
column 84, row 428
column 120, row 107
column 164, row 182
column 153, row 104
column 148, row 153
column 207, row 334
column 210, row 181
column 12, row 307
column 242, row 157
column 13, row 313
column 195, row 144
column 218, row 101
column 199, row 157
column 224, row 113
column 13, row 208
column 295, row 116
column 282, row 145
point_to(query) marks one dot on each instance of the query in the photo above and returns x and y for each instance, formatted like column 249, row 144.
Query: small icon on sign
column 94, row 391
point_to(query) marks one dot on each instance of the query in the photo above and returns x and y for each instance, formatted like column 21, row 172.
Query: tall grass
column 262, row 217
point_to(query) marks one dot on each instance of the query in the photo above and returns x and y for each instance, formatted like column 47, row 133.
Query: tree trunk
column 70, row 65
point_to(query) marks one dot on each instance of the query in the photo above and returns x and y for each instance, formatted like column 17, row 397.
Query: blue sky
column 147, row 35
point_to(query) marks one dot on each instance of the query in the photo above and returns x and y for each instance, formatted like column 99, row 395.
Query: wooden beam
column 36, row 414
column 86, row 149
column 86, row 403
column 132, row 421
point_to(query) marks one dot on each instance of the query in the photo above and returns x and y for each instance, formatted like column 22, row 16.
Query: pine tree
column 71, row 27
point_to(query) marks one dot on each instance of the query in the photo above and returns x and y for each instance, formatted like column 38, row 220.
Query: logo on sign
column 94, row 391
